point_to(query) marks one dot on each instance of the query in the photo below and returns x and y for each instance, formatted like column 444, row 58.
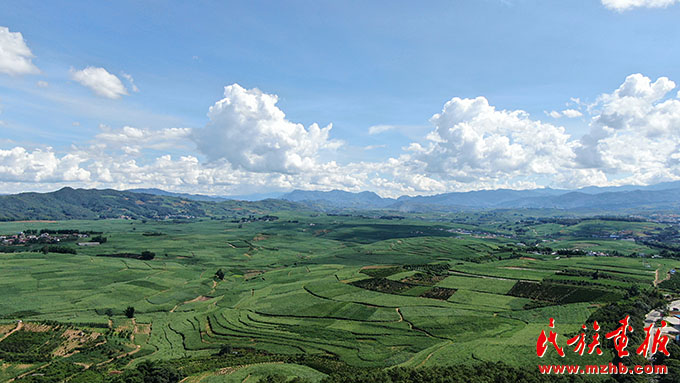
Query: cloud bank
column 248, row 144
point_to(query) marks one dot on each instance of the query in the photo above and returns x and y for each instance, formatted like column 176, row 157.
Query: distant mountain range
column 659, row 196
column 68, row 203
column 603, row 189
column 340, row 199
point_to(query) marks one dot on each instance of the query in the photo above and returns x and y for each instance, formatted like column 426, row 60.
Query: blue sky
column 352, row 64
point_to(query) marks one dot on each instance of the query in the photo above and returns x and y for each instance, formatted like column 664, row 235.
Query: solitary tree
column 130, row 312
column 219, row 274
column 225, row 350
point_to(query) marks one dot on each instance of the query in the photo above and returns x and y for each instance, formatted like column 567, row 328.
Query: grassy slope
column 68, row 203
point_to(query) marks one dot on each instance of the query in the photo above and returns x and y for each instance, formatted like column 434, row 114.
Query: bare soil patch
column 5, row 328
column 35, row 327
column 200, row 298
column 74, row 339
column 252, row 274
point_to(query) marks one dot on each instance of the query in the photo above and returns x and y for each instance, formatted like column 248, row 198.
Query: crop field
column 267, row 294
column 255, row 372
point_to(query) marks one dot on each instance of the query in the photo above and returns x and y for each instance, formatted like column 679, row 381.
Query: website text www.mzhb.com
column 610, row 369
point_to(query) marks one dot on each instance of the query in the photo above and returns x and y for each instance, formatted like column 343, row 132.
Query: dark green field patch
column 29, row 346
column 424, row 279
column 382, row 285
column 561, row 293
column 599, row 274
column 20, row 314
column 441, row 293
column 379, row 232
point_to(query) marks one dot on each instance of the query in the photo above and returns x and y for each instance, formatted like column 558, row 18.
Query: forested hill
column 68, row 203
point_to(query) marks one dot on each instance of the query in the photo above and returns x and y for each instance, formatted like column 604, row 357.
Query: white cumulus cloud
column 100, row 81
column 19, row 164
column 473, row 141
column 15, row 56
column 249, row 131
column 635, row 131
column 624, row 5
column 248, row 143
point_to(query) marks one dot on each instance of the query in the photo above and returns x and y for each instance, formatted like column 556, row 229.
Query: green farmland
column 302, row 296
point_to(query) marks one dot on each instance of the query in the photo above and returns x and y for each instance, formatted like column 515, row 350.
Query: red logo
column 657, row 342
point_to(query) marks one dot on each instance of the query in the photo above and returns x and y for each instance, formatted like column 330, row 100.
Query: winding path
column 421, row 364
column 657, row 280
column 20, row 325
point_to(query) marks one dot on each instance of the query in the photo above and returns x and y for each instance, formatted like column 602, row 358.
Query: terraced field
column 367, row 294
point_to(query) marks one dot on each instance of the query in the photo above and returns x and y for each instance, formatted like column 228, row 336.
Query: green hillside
column 68, row 203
